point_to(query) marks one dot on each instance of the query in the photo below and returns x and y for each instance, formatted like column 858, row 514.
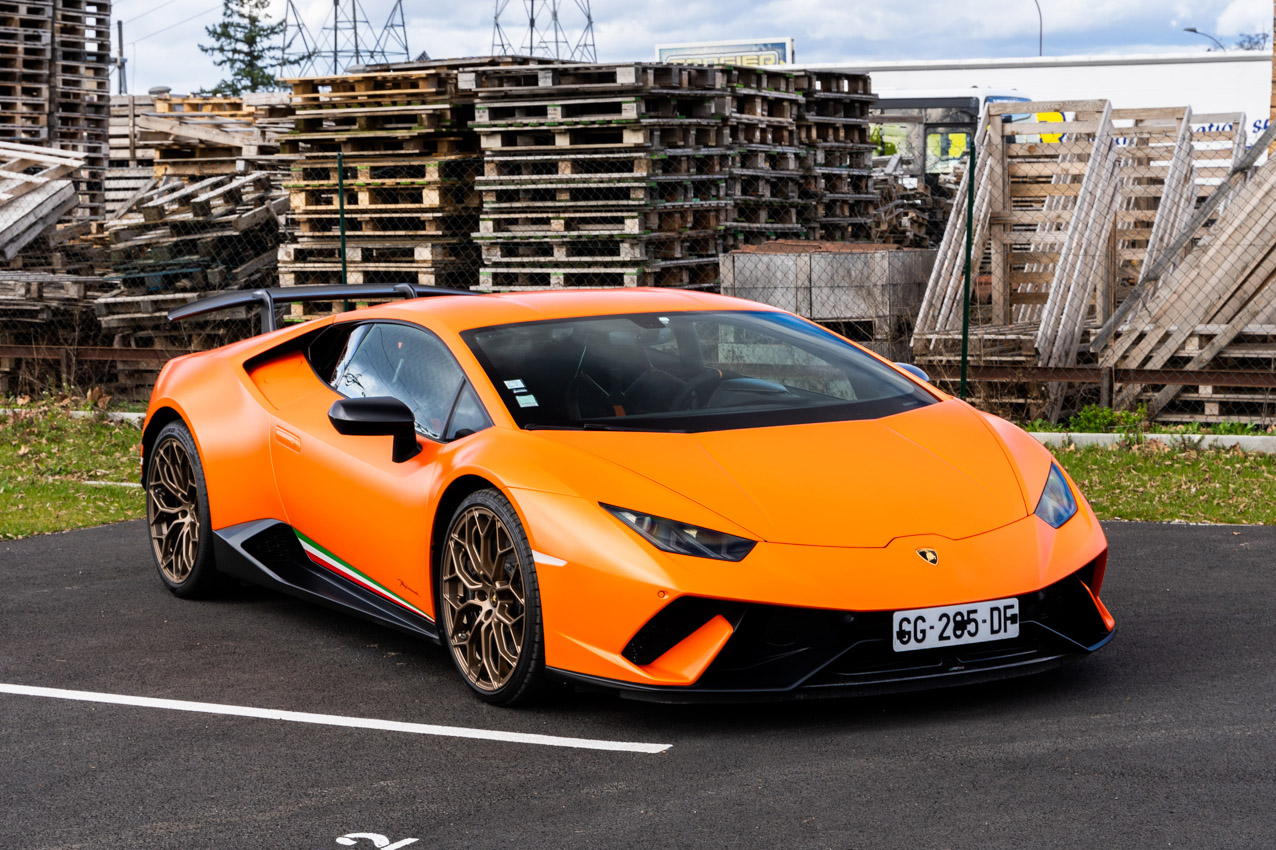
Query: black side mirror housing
column 914, row 371
column 377, row 416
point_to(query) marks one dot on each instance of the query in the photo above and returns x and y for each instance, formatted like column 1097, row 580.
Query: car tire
column 177, row 514
column 489, row 611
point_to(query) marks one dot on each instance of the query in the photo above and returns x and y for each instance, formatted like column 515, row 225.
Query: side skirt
column 267, row 552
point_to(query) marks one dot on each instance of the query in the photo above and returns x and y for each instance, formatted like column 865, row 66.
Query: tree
column 1252, row 40
column 247, row 46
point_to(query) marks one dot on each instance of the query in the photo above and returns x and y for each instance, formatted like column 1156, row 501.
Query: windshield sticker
column 528, row 400
column 515, row 385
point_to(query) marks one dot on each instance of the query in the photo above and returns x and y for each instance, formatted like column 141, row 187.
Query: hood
column 936, row 470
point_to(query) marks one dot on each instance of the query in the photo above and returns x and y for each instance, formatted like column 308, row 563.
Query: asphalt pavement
column 1165, row 738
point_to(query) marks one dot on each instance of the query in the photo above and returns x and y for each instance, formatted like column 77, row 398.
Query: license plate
column 954, row 625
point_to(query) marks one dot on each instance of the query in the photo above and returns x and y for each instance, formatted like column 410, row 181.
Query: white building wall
column 1219, row 82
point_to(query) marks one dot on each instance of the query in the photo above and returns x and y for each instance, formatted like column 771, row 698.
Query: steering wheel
column 695, row 394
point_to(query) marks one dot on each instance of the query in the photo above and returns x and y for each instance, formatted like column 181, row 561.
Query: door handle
column 287, row 438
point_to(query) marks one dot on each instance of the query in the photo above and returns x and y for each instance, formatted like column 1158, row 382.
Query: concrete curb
column 134, row 419
column 1248, row 442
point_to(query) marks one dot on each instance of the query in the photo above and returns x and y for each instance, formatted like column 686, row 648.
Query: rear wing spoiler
column 268, row 298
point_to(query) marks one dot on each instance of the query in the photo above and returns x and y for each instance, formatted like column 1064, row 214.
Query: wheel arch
column 161, row 417
column 449, row 500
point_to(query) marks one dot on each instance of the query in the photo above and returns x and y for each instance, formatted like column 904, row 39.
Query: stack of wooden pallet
column 904, row 211
column 26, row 52
column 131, row 162
column 80, row 98
column 1212, row 309
column 54, row 56
column 768, row 194
column 39, row 309
column 194, row 136
column 1068, row 215
column 601, row 175
column 178, row 240
column 837, row 154
column 405, row 189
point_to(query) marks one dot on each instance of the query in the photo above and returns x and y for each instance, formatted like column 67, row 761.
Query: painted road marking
column 338, row 720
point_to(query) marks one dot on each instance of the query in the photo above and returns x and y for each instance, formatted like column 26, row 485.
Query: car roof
column 461, row 314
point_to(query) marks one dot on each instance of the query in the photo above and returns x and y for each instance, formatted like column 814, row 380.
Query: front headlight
column 1057, row 504
column 683, row 539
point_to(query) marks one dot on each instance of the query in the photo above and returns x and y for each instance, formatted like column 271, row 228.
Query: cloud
column 825, row 32
column 1245, row 16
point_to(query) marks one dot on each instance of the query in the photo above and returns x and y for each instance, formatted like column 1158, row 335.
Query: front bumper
column 780, row 652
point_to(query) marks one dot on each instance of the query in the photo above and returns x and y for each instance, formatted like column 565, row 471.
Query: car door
column 357, row 512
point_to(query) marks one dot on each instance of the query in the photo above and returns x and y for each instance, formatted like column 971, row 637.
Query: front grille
column 778, row 648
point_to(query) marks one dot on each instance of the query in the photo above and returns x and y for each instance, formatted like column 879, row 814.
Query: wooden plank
column 1021, row 107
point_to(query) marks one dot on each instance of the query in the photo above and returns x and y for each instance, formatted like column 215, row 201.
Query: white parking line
column 338, row 720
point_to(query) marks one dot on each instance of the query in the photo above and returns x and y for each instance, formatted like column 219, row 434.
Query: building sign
column 773, row 51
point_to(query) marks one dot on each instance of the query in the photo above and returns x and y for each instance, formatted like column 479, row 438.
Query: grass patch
column 1132, row 424
column 45, row 459
column 1159, row 483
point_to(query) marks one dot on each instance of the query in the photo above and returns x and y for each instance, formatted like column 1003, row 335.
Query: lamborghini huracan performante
column 669, row 494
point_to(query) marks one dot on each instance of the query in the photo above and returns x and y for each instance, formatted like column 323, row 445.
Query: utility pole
column 120, row 61
column 1271, row 116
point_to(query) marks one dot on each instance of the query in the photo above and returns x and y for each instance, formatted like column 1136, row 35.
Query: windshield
column 698, row 371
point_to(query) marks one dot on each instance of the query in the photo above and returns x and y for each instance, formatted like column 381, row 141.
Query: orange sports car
column 670, row 494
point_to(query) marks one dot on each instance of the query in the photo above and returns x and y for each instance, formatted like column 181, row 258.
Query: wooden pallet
column 376, row 252
column 698, row 273
column 612, row 194
column 603, row 223
column 605, row 165
column 312, row 224
column 646, row 248
column 397, row 196
column 650, row 105
column 317, row 170
column 583, row 80
column 692, row 133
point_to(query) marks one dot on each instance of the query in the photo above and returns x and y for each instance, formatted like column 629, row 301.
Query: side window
column 413, row 366
column 468, row 416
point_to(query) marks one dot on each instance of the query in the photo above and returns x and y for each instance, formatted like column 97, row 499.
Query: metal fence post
column 970, row 240
column 341, row 211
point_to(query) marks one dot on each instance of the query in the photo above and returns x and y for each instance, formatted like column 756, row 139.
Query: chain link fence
column 1115, row 256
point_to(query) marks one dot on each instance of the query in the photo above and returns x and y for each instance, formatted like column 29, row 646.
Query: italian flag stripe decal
column 331, row 562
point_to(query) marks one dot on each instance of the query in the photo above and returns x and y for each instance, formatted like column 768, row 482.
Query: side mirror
column 378, row 416
column 914, row 371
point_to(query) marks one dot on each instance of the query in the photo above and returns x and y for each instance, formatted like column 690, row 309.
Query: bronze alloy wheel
column 484, row 605
column 172, row 509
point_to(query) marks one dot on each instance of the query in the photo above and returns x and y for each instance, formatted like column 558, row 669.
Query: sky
column 161, row 37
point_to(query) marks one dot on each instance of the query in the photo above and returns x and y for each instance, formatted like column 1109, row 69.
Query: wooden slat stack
column 177, row 241
column 1068, row 215
column 80, row 99
column 408, row 173
column 837, row 154
column 35, row 191
column 768, row 197
column 54, row 56
column 197, row 137
column 1213, row 310
column 601, row 175
column 44, row 309
column 26, row 53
